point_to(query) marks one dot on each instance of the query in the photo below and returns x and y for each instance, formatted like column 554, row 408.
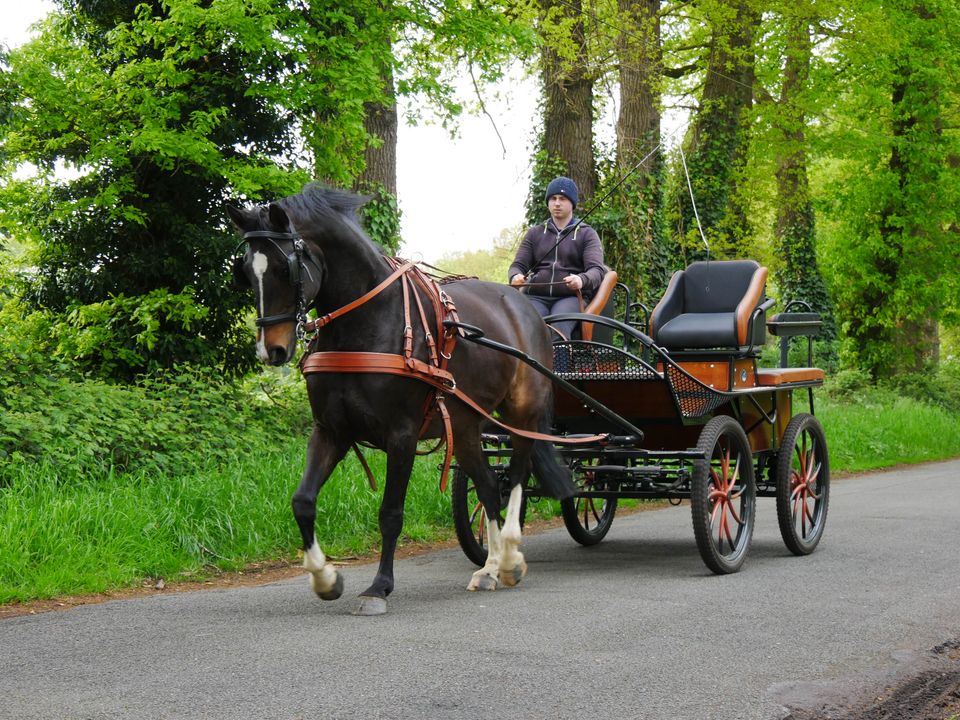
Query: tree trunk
column 568, row 103
column 798, row 277
column 636, row 251
column 719, row 140
column 380, row 159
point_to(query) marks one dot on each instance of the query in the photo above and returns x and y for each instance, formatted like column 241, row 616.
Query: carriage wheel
column 803, row 484
column 723, row 495
column 588, row 519
column 470, row 519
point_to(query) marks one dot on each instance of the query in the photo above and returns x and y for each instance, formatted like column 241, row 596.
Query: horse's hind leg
column 322, row 457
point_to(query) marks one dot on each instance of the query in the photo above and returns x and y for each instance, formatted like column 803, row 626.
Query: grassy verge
column 68, row 528
column 871, row 434
column 109, row 532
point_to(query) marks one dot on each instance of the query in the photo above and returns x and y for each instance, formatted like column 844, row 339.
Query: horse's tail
column 555, row 478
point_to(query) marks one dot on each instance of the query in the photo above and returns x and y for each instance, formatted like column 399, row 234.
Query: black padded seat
column 715, row 304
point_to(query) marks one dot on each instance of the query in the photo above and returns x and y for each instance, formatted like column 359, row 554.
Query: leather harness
column 433, row 372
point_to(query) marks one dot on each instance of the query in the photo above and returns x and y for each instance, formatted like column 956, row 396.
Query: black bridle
column 297, row 260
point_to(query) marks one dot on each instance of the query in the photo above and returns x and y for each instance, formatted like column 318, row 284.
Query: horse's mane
column 326, row 210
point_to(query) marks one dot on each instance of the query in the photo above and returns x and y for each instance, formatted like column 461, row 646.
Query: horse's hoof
column 514, row 576
column 483, row 582
column 370, row 605
column 335, row 592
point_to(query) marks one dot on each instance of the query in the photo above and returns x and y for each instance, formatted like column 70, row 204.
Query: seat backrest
column 601, row 304
column 711, row 304
column 716, row 286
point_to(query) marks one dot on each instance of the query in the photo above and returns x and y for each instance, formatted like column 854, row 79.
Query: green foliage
column 892, row 252
column 160, row 111
column 630, row 223
column 381, row 218
column 489, row 264
column 69, row 525
column 936, row 387
column 153, row 113
column 122, row 337
column 92, row 427
column 872, row 426
column 545, row 169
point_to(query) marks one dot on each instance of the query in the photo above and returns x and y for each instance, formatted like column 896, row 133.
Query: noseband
column 296, row 266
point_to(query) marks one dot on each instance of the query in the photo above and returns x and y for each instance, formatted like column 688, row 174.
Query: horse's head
column 284, row 273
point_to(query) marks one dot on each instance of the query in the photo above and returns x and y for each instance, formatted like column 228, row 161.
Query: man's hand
column 574, row 282
column 518, row 280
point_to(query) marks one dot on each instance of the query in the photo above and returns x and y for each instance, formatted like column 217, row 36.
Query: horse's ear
column 278, row 218
column 240, row 218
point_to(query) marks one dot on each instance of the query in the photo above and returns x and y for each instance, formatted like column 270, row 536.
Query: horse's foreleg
column 373, row 600
column 513, row 568
column 322, row 457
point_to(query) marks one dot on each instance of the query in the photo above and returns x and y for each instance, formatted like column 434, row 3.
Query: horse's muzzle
column 278, row 355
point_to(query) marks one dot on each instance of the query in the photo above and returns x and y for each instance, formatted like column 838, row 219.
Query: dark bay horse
column 309, row 251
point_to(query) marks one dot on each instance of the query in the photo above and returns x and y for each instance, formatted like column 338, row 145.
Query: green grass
column 68, row 536
column 868, row 434
column 67, row 529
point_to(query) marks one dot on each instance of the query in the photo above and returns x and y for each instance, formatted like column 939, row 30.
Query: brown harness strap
column 366, row 468
column 443, row 307
column 330, row 317
column 370, row 362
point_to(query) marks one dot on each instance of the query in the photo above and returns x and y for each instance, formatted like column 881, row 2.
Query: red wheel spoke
column 717, row 508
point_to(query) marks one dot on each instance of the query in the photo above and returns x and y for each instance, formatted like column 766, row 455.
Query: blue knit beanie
column 563, row 186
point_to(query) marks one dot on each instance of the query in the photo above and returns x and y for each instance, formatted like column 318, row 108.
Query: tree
column 151, row 109
column 718, row 140
column 165, row 109
column 635, row 237
column 797, row 273
column 565, row 146
column 894, row 255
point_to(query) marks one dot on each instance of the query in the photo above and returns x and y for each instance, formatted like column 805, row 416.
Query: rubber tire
column 723, row 431
column 470, row 519
column 573, row 509
column 802, row 426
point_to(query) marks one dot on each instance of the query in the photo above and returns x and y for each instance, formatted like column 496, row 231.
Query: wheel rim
column 588, row 519
column 591, row 512
column 806, row 486
column 478, row 517
column 727, row 499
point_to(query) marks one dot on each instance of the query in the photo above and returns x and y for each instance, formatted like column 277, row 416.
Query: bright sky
column 455, row 194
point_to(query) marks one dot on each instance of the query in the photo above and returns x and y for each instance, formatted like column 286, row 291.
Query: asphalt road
column 635, row 627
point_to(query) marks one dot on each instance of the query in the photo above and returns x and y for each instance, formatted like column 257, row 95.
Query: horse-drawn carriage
column 687, row 414
column 672, row 407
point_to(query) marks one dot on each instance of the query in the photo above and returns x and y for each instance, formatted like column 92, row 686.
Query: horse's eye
column 240, row 278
